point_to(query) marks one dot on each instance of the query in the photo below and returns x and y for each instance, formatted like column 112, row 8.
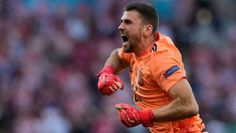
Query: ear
column 148, row 30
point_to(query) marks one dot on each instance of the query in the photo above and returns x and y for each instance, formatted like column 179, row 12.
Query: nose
column 121, row 26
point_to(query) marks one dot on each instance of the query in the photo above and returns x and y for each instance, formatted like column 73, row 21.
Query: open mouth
column 124, row 38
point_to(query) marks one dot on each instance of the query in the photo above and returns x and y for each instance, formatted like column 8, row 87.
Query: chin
column 128, row 49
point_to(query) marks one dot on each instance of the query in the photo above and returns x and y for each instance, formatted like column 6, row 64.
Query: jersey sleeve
column 167, row 68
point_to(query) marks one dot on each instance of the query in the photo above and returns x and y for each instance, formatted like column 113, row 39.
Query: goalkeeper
column 161, row 91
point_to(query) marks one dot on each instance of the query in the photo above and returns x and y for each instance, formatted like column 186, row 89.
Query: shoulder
column 165, row 39
column 165, row 54
column 164, row 46
column 124, row 56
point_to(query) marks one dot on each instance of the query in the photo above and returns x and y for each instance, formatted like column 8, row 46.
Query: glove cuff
column 106, row 69
column 147, row 118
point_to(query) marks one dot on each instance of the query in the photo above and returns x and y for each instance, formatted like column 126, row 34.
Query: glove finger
column 123, row 106
column 111, row 89
column 105, row 91
column 105, row 82
column 118, row 107
column 102, row 78
column 121, row 115
column 108, row 91
column 115, row 87
column 121, row 84
column 125, row 119
column 124, row 116
column 106, row 85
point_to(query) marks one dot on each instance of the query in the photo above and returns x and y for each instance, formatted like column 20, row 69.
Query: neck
column 144, row 45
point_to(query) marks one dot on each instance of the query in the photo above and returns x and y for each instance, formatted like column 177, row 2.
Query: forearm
column 175, row 111
column 183, row 106
column 114, row 61
column 109, row 82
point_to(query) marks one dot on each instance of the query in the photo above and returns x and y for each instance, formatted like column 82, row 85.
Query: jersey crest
column 140, row 78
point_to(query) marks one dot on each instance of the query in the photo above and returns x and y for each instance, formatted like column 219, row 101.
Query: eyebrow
column 126, row 20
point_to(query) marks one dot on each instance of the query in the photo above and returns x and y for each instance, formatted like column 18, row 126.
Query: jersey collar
column 148, row 50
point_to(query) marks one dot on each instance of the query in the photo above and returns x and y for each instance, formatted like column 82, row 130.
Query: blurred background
column 51, row 50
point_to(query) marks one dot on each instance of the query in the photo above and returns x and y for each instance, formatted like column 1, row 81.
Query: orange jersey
column 152, row 75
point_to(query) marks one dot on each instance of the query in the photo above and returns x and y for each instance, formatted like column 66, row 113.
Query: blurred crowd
column 51, row 50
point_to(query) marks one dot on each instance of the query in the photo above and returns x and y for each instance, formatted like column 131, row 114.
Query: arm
column 115, row 62
column 108, row 81
column 183, row 106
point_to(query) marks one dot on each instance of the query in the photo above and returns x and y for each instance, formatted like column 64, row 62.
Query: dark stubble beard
column 128, row 48
column 133, row 41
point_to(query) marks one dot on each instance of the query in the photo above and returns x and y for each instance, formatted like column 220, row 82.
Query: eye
column 127, row 21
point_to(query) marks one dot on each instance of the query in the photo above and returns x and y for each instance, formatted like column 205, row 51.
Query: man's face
column 130, row 30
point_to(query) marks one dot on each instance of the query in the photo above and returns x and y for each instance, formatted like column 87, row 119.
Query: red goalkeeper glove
column 131, row 116
column 108, row 82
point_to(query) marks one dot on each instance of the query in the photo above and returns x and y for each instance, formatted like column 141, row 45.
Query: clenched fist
column 131, row 116
column 108, row 82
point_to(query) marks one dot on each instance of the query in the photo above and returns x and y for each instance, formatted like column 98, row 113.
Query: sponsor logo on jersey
column 170, row 71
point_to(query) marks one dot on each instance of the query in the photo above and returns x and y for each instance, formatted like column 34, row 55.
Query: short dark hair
column 147, row 12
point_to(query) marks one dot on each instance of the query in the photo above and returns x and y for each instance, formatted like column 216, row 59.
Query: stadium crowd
column 50, row 52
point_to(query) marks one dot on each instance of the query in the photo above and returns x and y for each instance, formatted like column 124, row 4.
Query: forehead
column 131, row 15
